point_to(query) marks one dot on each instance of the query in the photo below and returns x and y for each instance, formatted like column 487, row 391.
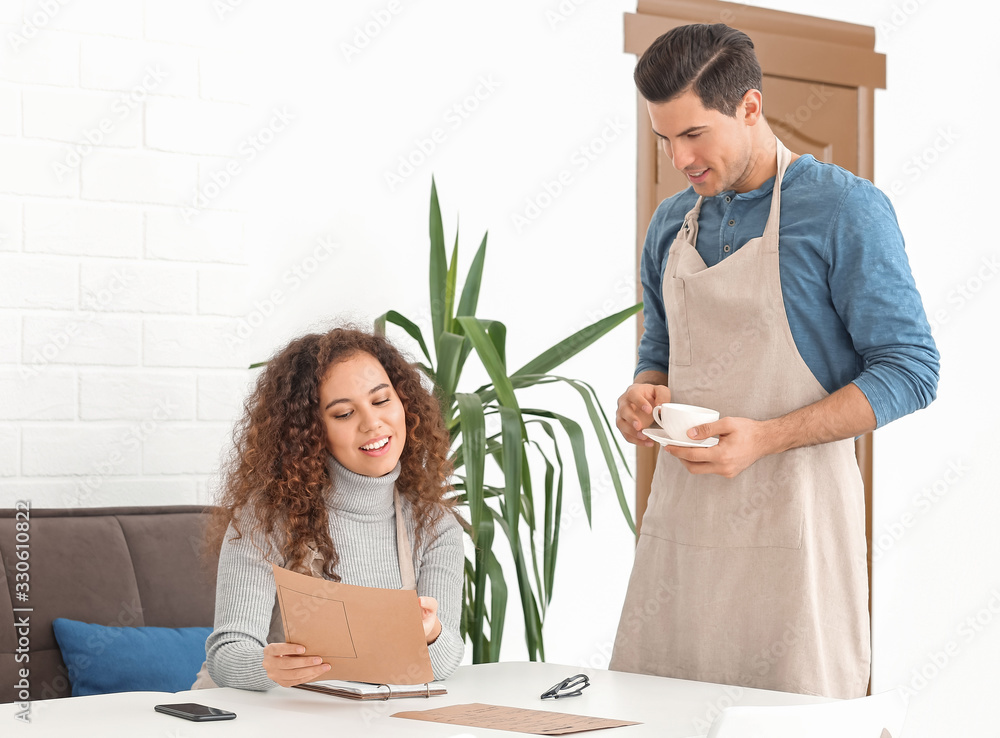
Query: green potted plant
column 526, row 447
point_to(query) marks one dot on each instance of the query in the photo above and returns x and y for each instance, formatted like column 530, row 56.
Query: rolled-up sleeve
column 874, row 292
column 654, row 346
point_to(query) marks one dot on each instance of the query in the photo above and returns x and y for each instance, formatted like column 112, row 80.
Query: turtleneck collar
column 355, row 493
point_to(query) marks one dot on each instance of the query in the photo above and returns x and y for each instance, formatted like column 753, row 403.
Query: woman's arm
column 442, row 569
column 244, row 600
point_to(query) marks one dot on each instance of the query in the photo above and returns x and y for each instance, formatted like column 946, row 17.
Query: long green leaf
column 449, row 288
column 492, row 362
column 474, row 434
column 577, row 444
column 449, row 346
column 595, row 418
column 529, row 606
column 510, row 423
column 498, row 605
column 553, row 517
column 407, row 325
column 438, row 265
column 469, row 300
column 574, row 344
column 484, row 547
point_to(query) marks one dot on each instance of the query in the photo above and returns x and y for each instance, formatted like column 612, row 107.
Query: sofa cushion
column 103, row 659
column 123, row 566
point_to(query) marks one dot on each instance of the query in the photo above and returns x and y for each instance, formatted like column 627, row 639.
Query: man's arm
column 742, row 441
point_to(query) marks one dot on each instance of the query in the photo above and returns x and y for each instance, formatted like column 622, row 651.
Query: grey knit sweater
column 363, row 529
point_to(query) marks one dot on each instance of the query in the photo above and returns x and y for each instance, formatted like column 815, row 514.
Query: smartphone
column 193, row 711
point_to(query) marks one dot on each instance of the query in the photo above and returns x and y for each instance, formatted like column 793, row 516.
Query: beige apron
column 760, row 580
column 407, row 577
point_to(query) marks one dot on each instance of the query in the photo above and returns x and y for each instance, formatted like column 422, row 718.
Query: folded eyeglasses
column 568, row 687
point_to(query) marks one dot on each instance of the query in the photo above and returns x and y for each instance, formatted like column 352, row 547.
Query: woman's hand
column 286, row 665
column 429, row 617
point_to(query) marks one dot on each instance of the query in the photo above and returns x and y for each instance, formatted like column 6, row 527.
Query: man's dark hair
column 716, row 61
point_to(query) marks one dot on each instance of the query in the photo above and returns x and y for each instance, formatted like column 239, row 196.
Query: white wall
column 113, row 305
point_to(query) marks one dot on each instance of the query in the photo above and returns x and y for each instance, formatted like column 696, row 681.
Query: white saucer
column 660, row 436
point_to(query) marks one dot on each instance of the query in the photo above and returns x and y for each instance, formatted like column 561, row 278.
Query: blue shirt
column 852, row 306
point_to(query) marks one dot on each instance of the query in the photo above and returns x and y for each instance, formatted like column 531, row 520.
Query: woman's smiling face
column 364, row 418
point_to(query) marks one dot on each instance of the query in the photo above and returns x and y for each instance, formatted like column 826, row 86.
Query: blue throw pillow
column 106, row 658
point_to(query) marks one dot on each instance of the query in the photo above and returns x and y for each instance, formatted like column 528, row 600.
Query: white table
column 667, row 708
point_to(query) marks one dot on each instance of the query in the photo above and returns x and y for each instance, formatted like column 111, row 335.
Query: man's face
column 712, row 150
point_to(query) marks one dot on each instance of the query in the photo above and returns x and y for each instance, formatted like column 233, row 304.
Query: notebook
column 366, row 691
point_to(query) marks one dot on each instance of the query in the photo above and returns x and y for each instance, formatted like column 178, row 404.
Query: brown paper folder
column 366, row 634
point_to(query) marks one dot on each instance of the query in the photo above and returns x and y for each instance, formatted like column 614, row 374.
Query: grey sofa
column 126, row 566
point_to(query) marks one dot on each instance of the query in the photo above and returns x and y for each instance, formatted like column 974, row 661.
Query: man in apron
column 777, row 292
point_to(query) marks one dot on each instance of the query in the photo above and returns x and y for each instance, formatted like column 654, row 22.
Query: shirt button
column 728, row 198
column 726, row 248
column 732, row 222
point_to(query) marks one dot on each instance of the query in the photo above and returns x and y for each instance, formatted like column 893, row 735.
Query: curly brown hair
column 277, row 482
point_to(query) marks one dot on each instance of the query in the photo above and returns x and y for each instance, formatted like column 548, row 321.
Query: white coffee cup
column 677, row 419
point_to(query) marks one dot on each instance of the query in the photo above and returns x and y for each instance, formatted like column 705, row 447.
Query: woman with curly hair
column 341, row 459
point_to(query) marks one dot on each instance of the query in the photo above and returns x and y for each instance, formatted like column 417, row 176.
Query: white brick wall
column 186, row 449
column 211, row 236
column 222, row 290
column 121, row 371
column 10, row 226
column 48, row 58
column 126, row 176
column 211, row 128
column 88, row 450
column 37, row 282
column 134, row 286
column 86, row 338
column 220, row 396
column 85, row 229
column 10, row 110
column 195, row 342
column 30, row 168
column 139, row 66
column 79, row 118
column 10, row 337
column 48, row 395
column 10, row 448
column 136, row 395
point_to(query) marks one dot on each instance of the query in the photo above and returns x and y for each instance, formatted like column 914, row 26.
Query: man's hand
column 844, row 414
column 286, row 664
column 741, row 442
column 635, row 407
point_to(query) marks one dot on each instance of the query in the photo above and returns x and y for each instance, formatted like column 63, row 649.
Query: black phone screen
column 194, row 711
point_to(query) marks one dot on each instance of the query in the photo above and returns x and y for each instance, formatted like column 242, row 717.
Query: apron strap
column 406, row 573
column 784, row 157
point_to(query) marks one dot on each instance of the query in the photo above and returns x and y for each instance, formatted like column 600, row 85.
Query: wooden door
column 819, row 83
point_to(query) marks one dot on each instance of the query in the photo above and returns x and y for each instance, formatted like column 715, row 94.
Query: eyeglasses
column 569, row 687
